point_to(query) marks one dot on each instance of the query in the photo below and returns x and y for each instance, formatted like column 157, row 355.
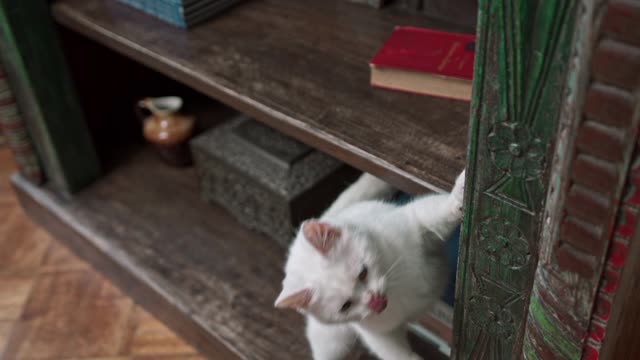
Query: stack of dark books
column 182, row 13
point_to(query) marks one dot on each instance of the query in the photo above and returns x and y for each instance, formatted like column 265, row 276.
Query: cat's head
column 334, row 274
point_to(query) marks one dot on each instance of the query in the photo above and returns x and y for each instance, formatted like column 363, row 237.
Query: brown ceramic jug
column 166, row 129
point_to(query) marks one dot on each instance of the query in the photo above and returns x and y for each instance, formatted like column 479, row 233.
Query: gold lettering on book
column 462, row 62
column 447, row 59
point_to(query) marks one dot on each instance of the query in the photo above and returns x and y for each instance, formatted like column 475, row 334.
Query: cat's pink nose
column 378, row 303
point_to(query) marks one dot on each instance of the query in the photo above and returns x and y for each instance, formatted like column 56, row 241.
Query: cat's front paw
column 457, row 194
column 415, row 356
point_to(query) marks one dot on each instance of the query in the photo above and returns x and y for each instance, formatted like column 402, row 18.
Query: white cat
column 367, row 267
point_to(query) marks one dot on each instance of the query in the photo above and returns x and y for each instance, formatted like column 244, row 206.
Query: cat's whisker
column 393, row 277
column 395, row 263
column 393, row 280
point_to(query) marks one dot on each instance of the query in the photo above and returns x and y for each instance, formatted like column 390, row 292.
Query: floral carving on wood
column 516, row 151
column 492, row 317
column 504, row 243
column 523, row 52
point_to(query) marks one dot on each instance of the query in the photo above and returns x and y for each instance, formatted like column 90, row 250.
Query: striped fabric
column 16, row 135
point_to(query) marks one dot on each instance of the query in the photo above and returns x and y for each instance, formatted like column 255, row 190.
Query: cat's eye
column 346, row 306
column 363, row 274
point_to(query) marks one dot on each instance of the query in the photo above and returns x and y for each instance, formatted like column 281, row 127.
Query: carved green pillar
column 521, row 66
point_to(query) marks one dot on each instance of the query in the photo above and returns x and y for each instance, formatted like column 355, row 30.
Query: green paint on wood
column 39, row 78
column 523, row 52
column 548, row 335
column 548, row 326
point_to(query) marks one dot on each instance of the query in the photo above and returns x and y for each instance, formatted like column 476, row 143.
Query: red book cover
column 419, row 52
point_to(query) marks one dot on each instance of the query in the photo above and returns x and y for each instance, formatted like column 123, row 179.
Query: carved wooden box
column 266, row 180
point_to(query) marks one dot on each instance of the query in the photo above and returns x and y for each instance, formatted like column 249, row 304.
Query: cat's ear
column 321, row 235
column 296, row 300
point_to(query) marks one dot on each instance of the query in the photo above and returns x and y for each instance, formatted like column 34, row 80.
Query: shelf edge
column 295, row 128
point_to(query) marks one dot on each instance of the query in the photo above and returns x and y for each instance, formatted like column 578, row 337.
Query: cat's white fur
column 403, row 250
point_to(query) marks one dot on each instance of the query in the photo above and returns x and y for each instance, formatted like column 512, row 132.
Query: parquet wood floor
column 53, row 306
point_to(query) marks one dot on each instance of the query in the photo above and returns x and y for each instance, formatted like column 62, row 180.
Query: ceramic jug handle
column 141, row 110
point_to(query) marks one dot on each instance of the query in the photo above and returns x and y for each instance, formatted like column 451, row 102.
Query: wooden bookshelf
column 187, row 262
column 301, row 67
column 548, row 74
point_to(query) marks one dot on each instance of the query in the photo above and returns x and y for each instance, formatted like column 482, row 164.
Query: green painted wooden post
column 523, row 52
column 38, row 75
column 593, row 201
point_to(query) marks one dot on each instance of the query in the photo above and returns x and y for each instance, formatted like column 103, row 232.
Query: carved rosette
column 504, row 243
column 492, row 317
column 516, row 151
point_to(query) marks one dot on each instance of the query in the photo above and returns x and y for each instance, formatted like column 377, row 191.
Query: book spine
column 164, row 11
column 173, row 12
column 16, row 135
column 138, row 4
column 180, row 15
column 183, row 14
column 170, row 11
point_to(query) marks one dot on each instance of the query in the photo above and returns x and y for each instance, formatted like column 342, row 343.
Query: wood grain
column 45, row 95
column 301, row 67
column 14, row 291
column 464, row 12
column 188, row 263
column 150, row 295
column 523, row 57
column 624, row 324
column 5, row 330
column 22, row 246
column 7, row 200
column 64, row 324
column 95, row 312
column 591, row 214
column 199, row 269
column 154, row 338
column 58, row 258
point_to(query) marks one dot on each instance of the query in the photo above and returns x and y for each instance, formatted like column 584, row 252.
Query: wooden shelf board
column 148, row 222
column 301, row 67
column 189, row 263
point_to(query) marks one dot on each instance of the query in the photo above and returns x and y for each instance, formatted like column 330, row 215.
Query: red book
column 426, row 62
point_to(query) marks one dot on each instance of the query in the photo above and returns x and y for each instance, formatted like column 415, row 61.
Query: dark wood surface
column 301, row 67
column 621, row 341
column 188, row 263
column 45, row 94
column 617, row 309
column 462, row 12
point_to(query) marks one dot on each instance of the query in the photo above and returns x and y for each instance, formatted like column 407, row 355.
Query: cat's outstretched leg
column 389, row 346
column 367, row 187
column 440, row 213
column 329, row 342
